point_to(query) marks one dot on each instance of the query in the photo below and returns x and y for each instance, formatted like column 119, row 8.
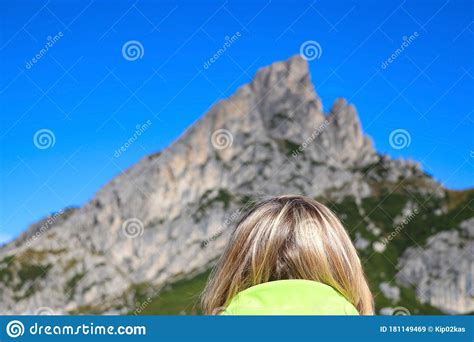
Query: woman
column 288, row 255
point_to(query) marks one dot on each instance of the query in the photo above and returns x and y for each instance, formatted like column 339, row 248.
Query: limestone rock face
column 169, row 216
column 443, row 271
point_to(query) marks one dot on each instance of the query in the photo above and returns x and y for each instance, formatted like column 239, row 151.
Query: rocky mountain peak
column 285, row 98
column 169, row 216
column 280, row 77
column 347, row 136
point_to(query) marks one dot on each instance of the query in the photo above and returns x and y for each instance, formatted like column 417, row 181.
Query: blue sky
column 84, row 91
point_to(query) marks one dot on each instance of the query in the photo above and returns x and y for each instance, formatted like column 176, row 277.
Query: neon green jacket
column 290, row 297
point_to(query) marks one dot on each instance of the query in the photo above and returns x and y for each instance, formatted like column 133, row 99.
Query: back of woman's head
column 288, row 237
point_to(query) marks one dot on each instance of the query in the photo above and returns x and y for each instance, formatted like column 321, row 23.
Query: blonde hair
column 288, row 237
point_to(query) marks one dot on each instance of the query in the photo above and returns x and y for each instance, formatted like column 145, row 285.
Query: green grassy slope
column 181, row 298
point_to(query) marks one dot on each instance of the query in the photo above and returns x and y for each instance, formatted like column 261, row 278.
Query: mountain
column 144, row 243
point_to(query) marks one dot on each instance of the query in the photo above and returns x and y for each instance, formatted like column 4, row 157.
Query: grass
column 182, row 298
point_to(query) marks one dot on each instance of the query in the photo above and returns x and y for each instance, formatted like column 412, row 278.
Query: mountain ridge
column 168, row 216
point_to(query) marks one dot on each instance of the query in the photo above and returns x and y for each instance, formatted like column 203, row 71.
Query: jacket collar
column 290, row 297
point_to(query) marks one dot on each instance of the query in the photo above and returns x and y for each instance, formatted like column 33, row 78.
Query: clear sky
column 91, row 98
